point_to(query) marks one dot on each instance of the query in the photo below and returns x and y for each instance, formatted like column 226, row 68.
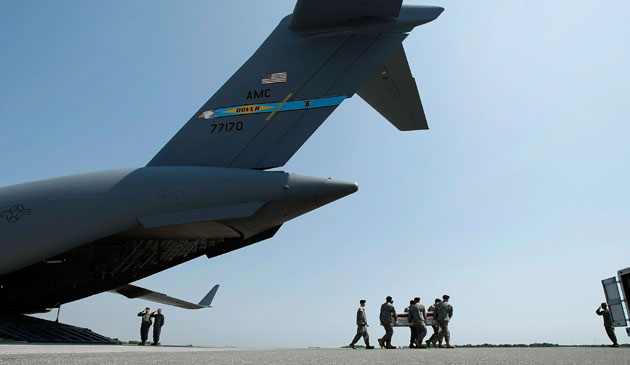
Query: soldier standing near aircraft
column 144, row 326
column 444, row 312
column 412, row 339
column 435, row 326
column 362, row 326
column 157, row 326
column 387, row 317
column 608, row 325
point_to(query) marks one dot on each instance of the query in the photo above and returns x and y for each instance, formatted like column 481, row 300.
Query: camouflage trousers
column 144, row 331
column 389, row 331
column 436, row 329
column 414, row 334
column 444, row 332
column 421, row 331
column 362, row 331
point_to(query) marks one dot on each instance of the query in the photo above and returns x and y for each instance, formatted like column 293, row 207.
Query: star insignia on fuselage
column 15, row 213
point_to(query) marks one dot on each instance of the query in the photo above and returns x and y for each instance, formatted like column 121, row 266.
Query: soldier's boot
column 368, row 347
column 388, row 345
column 352, row 346
column 442, row 346
column 420, row 345
column 381, row 342
column 412, row 345
column 449, row 346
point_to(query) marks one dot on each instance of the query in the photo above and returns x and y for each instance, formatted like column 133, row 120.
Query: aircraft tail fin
column 315, row 58
column 392, row 91
column 207, row 300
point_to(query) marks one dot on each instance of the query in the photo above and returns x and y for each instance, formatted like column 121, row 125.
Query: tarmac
column 126, row 354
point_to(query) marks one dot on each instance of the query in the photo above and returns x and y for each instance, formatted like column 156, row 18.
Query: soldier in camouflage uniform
column 444, row 313
column 387, row 317
column 608, row 325
column 417, row 318
column 362, row 326
column 145, row 324
column 414, row 333
column 435, row 326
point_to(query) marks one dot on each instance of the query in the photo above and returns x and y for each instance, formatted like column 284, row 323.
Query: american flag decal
column 274, row 78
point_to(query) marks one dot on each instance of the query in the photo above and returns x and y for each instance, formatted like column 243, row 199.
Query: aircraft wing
column 313, row 14
column 136, row 292
column 392, row 91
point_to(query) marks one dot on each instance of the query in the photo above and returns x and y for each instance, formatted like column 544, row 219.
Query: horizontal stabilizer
column 136, row 292
column 314, row 14
column 392, row 91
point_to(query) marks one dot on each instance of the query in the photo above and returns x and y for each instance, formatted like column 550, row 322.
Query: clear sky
column 515, row 202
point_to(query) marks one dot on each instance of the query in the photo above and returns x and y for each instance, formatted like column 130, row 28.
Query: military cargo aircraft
column 208, row 191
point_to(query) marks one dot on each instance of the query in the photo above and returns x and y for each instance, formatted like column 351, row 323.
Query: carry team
column 442, row 314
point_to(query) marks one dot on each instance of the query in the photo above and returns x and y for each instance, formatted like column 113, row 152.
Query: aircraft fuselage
column 44, row 219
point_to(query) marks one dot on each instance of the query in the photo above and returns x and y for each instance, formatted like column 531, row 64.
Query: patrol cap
column 438, row 300
column 412, row 301
column 388, row 298
column 362, row 301
column 417, row 299
column 445, row 297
